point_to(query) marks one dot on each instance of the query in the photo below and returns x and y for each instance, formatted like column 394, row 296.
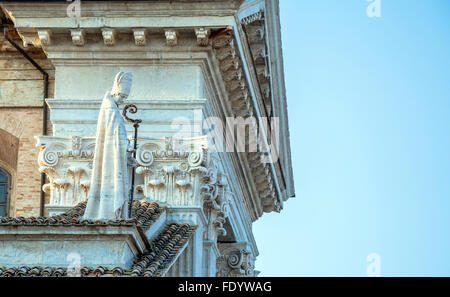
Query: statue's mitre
column 122, row 83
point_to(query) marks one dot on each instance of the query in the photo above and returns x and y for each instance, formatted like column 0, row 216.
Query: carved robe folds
column 108, row 196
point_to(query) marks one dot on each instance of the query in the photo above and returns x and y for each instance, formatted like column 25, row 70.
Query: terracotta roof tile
column 165, row 248
column 144, row 214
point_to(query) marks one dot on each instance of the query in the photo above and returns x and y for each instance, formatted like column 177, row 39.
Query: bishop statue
column 108, row 195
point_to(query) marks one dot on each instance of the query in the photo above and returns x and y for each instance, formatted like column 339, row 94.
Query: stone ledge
column 108, row 246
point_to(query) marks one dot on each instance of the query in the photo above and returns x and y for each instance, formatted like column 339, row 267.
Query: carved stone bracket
column 44, row 36
column 78, row 37
column 236, row 260
column 255, row 27
column 140, row 37
column 171, row 37
column 258, row 16
column 109, row 36
column 216, row 202
column 242, row 105
column 202, row 36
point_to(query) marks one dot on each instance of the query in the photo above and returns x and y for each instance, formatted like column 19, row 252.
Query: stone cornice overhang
column 244, row 103
column 278, row 87
column 118, row 13
column 261, row 35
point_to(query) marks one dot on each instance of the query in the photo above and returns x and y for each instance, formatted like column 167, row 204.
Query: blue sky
column 369, row 107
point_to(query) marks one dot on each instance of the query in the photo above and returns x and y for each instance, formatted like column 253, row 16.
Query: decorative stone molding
column 78, row 37
column 202, row 36
column 256, row 33
column 263, row 70
column 231, row 69
column 259, row 52
column 184, row 174
column 236, row 260
column 264, row 182
column 139, row 37
column 181, row 173
column 109, row 36
column 217, row 200
column 171, row 37
column 259, row 16
column 67, row 164
column 242, row 105
column 255, row 29
column 67, row 119
column 44, row 36
column 171, row 176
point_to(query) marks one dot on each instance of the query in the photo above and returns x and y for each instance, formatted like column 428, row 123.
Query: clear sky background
column 369, row 113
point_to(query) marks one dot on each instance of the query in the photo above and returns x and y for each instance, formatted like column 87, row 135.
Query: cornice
column 278, row 90
column 227, row 52
column 115, row 9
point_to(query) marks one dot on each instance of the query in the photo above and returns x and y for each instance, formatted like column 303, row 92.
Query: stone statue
column 108, row 195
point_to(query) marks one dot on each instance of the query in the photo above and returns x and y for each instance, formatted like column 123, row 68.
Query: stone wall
column 21, row 91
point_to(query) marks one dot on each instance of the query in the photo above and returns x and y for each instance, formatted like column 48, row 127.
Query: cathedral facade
column 213, row 153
